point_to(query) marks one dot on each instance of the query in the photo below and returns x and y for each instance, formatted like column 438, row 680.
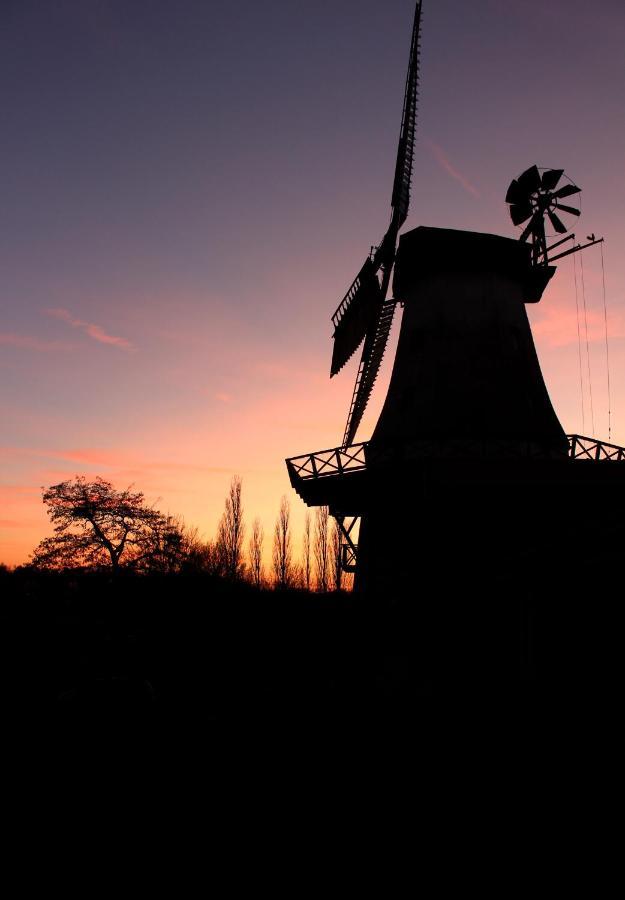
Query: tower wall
column 467, row 405
column 466, row 366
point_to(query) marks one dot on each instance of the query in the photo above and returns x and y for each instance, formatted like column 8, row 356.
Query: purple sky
column 189, row 188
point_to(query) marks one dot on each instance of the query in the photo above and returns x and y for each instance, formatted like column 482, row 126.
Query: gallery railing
column 589, row 448
column 328, row 462
column 343, row 460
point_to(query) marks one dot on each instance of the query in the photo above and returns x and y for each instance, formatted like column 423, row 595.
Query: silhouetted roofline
column 426, row 250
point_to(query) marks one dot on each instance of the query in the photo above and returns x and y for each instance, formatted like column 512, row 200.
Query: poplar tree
column 256, row 553
column 282, row 562
column 322, row 547
column 231, row 530
column 306, row 562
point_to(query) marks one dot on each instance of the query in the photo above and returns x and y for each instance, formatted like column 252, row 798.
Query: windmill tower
column 468, row 460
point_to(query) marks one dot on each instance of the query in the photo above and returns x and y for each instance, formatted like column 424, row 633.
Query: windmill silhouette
column 467, row 448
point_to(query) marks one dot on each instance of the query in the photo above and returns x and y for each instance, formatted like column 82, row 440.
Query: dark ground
column 196, row 659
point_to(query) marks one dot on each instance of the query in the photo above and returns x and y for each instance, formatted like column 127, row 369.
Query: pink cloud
column 443, row 160
column 558, row 326
column 11, row 492
column 18, row 523
column 89, row 328
column 274, row 370
column 26, row 342
column 124, row 462
column 93, row 457
column 87, row 456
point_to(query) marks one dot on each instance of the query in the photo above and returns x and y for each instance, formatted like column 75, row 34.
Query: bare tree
column 322, row 547
column 282, row 564
column 230, row 532
column 256, row 553
column 306, row 556
column 297, row 577
column 97, row 526
column 335, row 553
column 198, row 555
column 210, row 560
column 169, row 547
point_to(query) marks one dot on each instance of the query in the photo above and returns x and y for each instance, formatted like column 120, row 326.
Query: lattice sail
column 355, row 315
column 405, row 152
column 377, row 337
column 372, row 355
column 364, row 312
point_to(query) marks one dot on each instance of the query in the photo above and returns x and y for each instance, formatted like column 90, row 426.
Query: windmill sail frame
column 377, row 336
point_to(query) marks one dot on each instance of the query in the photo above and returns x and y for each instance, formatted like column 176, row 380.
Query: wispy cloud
column 18, row 523
column 27, row 342
column 11, row 492
column 444, row 162
column 94, row 457
column 87, row 456
column 111, row 459
column 89, row 328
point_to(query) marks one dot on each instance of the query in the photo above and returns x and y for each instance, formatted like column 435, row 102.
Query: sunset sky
column 189, row 187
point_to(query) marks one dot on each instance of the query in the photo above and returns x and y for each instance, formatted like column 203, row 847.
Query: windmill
column 365, row 313
column 468, row 450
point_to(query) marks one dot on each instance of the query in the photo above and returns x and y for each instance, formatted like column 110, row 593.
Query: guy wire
column 579, row 347
column 607, row 349
column 592, row 412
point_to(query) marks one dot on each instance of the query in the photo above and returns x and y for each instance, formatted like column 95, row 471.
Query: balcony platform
column 351, row 479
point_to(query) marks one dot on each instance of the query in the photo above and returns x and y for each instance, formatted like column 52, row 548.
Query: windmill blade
column 372, row 355
column 557, row 223
column 355, row 315
column 405, row 152
column 377, row 334
column 569, row 209
column 529, row 181
column 520, row 212
column 550, row 178
column 534, row 221
column 567, row 191
column 515, row 193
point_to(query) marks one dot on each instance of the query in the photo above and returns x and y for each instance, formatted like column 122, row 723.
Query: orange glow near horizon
column 189, row 197
column 186, row 468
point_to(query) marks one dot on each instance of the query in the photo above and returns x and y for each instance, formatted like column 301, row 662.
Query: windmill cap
column 425, row 251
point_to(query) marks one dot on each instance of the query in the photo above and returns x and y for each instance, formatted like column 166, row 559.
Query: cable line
column 607, row 348
column 579, row 346
column 592, row 412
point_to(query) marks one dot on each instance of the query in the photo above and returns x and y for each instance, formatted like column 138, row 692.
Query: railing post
column 348, row 546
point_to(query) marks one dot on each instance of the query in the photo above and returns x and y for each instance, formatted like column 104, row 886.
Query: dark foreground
column 195, row 659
